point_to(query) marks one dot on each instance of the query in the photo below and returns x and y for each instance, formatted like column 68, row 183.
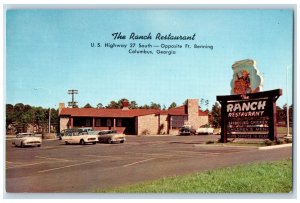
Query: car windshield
column 105, row 132
column 24, row 135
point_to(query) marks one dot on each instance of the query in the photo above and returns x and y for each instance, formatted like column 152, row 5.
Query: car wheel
column 82, row 142
column 22, row 145
column 109, row 141
column 122, row 141
column 66, row 142
column 94, row 142
column 39, row 145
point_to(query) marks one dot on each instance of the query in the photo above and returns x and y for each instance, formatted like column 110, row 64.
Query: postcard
column 116, row 101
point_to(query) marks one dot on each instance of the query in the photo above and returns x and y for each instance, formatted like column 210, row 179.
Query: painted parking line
column 196, row 152
column 151, row 154
column 172, row 155
column 110, row 157
column 68, row 166
column 24, row 165
column 138, row 162
column 51, row 158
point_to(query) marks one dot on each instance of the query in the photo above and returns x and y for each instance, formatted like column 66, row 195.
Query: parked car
column 187, row 130
column 205, row 129
column 27, row 139
column 111, row 136
column 79, row 138
column 66, row 132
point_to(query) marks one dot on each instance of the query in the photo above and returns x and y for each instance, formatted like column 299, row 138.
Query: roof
column 119, row 113
column 178, row 111
column 116, row 113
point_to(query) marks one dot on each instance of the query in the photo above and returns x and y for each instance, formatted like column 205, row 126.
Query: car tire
column 21, row 145
column 82, row 142
column 109, row 141
column 122, row 141
column 94, row 142
column 39, row 145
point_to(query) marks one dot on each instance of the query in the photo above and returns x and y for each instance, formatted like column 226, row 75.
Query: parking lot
column 56, row 167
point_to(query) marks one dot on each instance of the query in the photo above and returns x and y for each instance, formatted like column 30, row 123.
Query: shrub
column 278, row 141
column 145, row 132
column 288, row 140
column 268, row 142
column 220, row 141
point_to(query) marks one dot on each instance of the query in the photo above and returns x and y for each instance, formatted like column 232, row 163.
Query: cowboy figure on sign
column 242, row 85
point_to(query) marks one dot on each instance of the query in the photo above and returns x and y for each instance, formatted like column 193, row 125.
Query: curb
column 276, row 146
column 223, row 145
column 237, row 146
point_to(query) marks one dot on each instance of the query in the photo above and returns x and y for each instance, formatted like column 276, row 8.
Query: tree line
column 20, row 117
column 132, row 105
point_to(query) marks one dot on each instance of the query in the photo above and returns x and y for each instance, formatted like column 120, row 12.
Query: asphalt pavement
column 58, row 168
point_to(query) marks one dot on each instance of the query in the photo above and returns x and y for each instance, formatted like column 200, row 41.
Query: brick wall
column 64, row 122
column 193, row 114
column 147, row 123
column 163, row 124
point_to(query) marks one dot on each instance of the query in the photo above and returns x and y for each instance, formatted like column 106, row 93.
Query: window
column 108, row 122
column 97, row 122
column 119, row 122
column 88, row 122
column 178, row 121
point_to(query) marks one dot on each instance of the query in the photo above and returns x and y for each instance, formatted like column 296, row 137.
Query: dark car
column 187, row 131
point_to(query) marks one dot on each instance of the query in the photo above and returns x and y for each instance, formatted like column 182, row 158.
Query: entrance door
column 129, row 124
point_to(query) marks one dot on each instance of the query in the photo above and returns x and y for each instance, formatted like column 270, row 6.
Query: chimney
column 193, row 112
column 125, row 104
column 61, row 106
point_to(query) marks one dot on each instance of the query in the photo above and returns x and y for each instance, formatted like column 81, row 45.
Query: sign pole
column 223, row 122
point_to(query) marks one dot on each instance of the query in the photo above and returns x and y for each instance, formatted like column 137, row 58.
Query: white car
column 79, row 138
column 27, row 139
column 205, row 129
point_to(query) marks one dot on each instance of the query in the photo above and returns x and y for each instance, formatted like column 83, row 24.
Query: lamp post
column 49, row 117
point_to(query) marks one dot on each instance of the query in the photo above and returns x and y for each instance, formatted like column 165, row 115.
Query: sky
column 48, row 52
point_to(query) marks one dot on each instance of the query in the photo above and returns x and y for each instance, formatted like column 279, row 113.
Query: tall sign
column 248, row 112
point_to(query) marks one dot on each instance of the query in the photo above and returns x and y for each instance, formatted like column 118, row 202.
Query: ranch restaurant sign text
column 246, row 109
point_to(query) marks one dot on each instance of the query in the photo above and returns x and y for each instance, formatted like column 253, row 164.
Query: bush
column 209, row 142
column 220, row 140
column 268, row 142
column 278, row 141
column 288, row 140
column 145, row 132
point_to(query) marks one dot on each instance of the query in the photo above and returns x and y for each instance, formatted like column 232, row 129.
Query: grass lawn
column 265, row 177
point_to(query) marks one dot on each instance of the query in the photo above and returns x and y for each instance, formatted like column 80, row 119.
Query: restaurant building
column 134, row 121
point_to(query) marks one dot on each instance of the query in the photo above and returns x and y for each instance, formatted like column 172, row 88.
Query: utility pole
column 72, row 103
column 49, row 120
